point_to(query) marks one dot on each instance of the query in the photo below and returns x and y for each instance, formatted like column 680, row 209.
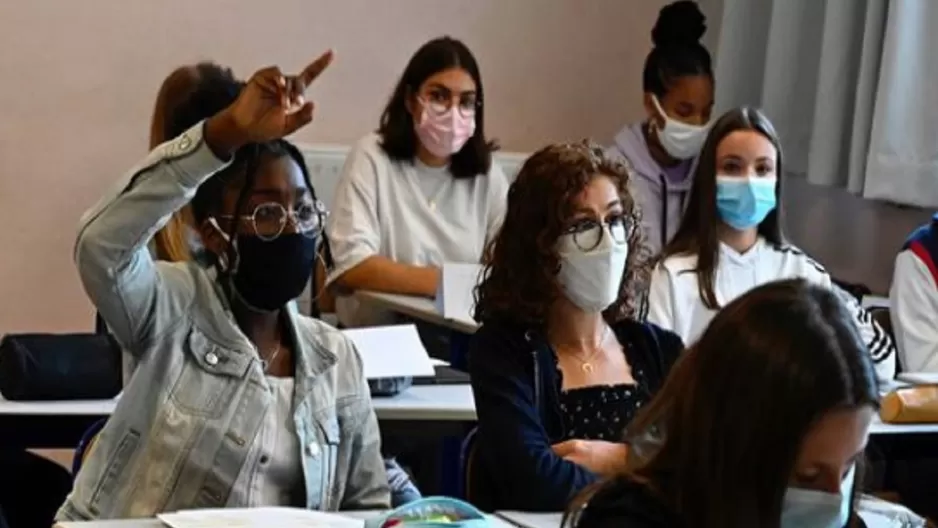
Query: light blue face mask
column 804, row 508
column 745, row 201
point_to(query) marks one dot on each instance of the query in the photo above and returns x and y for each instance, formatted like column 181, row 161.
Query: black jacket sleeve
column 512, row 443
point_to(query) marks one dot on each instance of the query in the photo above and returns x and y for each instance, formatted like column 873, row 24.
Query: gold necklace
column 586, row 364
column 270, row 359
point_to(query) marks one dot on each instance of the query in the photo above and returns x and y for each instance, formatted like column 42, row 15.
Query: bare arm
column 382, row 274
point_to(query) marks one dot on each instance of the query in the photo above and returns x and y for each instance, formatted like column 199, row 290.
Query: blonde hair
column 171, row 243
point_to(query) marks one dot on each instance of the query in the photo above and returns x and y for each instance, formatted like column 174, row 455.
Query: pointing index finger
column 311, row 72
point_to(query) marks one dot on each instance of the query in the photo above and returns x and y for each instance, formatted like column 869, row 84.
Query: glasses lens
column 308, row 219
column 588, row 235
column 467, row 108
column 269, row 220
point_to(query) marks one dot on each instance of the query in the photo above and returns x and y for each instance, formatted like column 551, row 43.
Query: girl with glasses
column 561, row 362
column 236, row 399
column 422, row 190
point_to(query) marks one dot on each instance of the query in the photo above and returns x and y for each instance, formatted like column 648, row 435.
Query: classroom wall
column 79, row 80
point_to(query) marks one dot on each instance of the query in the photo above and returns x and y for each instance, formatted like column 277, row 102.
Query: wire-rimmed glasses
column 269, row 219
column 588, row 233
column 439, row 104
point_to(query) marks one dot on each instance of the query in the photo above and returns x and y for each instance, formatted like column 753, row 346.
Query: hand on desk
column 600, row 457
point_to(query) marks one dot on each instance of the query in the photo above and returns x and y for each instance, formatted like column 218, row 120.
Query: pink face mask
column 444, row 133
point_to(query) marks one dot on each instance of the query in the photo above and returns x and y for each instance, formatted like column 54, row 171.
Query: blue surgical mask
column 745, row 201
column 804, row 508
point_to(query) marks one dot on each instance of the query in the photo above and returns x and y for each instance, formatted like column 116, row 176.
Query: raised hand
column 270, row 106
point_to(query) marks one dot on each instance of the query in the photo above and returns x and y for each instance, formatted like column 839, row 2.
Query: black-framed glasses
column 588, row 233
column 269, row 219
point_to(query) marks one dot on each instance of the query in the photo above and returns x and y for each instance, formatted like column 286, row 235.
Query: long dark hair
column 719, row 442
column 698, row 231
column 521, row 263
column 398, row 138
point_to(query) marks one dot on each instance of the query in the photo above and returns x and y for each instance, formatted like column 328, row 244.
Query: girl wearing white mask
column 677, row 81
column 421, row 191
column 560, row 364
column 763, row 422
column 731, row 239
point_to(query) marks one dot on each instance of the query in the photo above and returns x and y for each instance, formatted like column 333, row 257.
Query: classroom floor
column 855, row 239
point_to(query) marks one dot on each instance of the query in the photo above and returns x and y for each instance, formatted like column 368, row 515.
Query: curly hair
column 519, row 281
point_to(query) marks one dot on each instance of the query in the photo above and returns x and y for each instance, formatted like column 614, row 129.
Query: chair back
column 467, row 457
column 86, row 444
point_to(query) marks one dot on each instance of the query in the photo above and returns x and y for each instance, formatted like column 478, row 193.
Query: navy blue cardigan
column 517, row 388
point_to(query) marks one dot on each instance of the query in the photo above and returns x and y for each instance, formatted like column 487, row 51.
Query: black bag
column 36, row 367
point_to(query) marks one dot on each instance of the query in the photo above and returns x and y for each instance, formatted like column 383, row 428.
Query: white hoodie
column 675, row 304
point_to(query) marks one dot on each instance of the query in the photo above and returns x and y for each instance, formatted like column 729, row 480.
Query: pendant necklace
column 270, row 359
column 586, row 364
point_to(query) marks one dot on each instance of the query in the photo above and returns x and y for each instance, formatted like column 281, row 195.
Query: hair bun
column 680, row 23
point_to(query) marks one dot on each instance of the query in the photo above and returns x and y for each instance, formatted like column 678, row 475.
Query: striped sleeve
column 880, row 344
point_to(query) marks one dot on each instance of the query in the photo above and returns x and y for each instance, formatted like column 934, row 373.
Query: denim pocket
column 208, row 377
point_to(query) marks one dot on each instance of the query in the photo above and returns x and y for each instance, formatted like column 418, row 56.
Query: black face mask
column 271, row 273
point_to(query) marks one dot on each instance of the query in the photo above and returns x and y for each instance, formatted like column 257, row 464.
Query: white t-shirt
column 409, row 212
column 913, row 308
column 674, row 300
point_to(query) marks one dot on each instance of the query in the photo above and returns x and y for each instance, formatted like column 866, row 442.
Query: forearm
column 111, row 251
column 125, row 221
column 377, row 273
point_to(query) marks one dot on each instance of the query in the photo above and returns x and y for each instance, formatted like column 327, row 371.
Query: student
column 763, row 422
column 913, row 300
column 178, row 240
column 422, row 190
column 560, row 363
column 678, row 85
column 237, row 400
column 730, row 239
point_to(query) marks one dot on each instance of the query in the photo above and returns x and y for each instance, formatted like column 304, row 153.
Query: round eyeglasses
column 588, row 233
column 270, row 219
column 439, row 106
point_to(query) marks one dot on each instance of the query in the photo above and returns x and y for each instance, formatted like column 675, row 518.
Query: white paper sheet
column 532, row 520
column 918, row 378
column 391, row 351
column 454, row 294
column 257, row 517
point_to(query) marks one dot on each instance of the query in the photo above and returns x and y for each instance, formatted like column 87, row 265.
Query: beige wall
column 79, row 79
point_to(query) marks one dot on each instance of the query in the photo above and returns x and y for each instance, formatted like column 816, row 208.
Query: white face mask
column 680, row 140
column 803, row 508
column 591, row 279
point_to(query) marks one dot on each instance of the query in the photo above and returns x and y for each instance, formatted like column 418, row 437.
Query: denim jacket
column 190, row 415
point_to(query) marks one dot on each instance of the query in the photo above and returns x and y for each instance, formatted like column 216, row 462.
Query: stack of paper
column 257, row 517
column 391, row 351
column 454, row 295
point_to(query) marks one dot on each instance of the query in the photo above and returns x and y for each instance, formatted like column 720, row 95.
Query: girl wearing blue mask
column 677, row 82
column 731, row 241
column 763, row 422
